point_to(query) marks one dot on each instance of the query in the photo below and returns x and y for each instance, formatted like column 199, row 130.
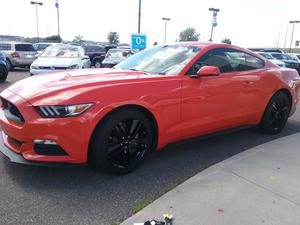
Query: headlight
column 60, row 111
column 34, row 67
column 76, row 66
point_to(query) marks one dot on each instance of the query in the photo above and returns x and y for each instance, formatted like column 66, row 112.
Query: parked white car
column 60, row 57
column 269, row 57
column 295, row 56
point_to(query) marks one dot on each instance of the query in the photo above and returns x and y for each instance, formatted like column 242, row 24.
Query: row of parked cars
column 278, row 57
column 45, row 57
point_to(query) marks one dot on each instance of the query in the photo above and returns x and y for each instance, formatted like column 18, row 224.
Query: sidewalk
column 258, row 186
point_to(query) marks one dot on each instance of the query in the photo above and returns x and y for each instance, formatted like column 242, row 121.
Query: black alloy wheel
column 127, row 143
column 276, row 114
column 121, row 142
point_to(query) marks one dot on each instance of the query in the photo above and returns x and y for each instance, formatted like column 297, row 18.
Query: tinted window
column 5, row 47
column 228, row 60
column 94, row 49
column 25, row 47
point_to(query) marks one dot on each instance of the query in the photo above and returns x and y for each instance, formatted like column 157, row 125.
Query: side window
column 241, row 61
column 253, row 62
column 216, row 57
column 228, row 60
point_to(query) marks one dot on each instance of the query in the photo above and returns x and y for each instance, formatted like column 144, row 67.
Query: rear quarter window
column 25, row 48
column 5, row 47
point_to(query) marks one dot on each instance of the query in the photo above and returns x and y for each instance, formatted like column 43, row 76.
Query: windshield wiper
column 139, row 71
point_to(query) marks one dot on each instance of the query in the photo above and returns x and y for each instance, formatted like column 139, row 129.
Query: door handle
column 248, row 83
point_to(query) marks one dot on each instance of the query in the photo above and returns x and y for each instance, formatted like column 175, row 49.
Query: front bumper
column 41, row 71
column 17, row 158
column 71, row 134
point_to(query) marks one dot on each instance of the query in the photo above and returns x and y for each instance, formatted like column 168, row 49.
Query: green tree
column 189, row 34
column 78, row 39
column 53, row 38
column 226, row 41
column 113, row 38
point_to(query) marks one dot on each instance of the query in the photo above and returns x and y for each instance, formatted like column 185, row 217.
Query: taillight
column 15, row 55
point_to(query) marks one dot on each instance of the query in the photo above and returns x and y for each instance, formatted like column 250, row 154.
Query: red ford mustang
column 111, row 118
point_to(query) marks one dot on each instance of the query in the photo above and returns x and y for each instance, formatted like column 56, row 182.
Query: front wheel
column 276, row 114
column 97, row 63
column 121, row 142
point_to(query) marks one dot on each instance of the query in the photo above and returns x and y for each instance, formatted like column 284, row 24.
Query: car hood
column 57, row 62
column 69, row 84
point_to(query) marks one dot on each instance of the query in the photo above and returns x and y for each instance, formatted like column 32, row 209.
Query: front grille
column 52, row 68
column 11, row 111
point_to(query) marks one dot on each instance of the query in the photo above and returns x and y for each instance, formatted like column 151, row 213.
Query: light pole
column 286, row 32
column 57, row 9
column 37, row 17
column 214, row 21
column 166, row 21
column 293, row 22
column 139, row 21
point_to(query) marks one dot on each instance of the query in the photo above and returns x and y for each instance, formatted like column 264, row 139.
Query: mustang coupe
column 112, row 118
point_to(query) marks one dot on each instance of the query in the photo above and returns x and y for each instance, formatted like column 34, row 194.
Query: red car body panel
column 182, row 107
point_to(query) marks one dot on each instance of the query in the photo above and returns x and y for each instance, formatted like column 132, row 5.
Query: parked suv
column 18, row 54
column 3, row 68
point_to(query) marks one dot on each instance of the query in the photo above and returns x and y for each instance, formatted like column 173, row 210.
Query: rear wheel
column 121, row 142
column 276, row 114
column 9, row 65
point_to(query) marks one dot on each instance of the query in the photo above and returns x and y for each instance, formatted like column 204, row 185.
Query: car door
column 213, row 103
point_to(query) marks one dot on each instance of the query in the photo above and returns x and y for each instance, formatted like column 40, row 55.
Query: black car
column 289, row 62
column 3, row 68
column 96, row 53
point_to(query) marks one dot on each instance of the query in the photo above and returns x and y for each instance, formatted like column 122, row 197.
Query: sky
column 248, row 23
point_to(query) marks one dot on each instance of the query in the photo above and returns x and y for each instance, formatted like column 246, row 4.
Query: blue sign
column 138, row 41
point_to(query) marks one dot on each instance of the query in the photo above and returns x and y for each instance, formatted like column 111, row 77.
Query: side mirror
column 205, row 71
column 86, row 57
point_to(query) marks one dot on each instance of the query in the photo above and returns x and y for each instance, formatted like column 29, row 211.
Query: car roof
column 47, row 43
column 14, row 42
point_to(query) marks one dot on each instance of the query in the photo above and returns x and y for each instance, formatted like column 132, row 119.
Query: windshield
column 61, row 52
column 114, row 53
column 169, row 60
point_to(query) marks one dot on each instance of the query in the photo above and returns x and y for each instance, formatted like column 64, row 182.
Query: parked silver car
column 60, row 57
column 18, row 54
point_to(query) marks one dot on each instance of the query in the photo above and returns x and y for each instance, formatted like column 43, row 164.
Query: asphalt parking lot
column 79, row 195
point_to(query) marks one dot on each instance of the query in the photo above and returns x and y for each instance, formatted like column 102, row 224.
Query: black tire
column 121, row 142
column 97, row 63
column 276, row 114
column 9, row 65
column 3, row 73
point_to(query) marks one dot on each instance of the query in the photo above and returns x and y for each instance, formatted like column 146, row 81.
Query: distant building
column 11, row 38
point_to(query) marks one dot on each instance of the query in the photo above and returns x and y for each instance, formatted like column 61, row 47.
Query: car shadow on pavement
column 108, row 198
